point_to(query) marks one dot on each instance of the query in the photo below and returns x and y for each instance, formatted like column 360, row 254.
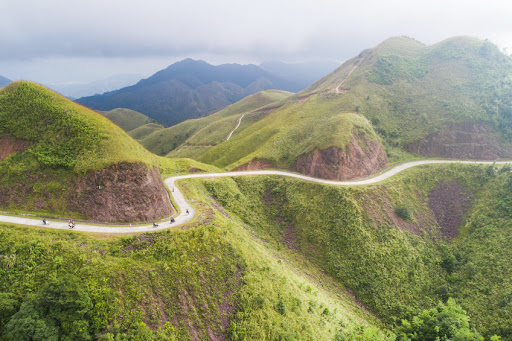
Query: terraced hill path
column 337, row 89
column 236, row 127
column 183, row 205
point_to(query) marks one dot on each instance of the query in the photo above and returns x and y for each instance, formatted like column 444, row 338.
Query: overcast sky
column 85, row 40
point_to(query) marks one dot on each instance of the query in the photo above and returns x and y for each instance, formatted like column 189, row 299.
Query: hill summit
column 61, row 158
column 189, row 89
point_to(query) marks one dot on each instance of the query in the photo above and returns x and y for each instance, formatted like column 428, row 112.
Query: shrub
column 404, row 211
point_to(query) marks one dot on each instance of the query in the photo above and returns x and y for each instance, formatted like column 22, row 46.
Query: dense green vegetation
column 170, row 285
column 350, row 233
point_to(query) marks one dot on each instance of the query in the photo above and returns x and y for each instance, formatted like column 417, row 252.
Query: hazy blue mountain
column 4, row 81
column 190, row 89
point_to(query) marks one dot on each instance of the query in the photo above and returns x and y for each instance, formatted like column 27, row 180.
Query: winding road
column 183, row 205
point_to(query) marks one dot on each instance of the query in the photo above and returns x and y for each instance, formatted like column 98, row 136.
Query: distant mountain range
column 77, row 90
column 4, row 81
column 191, row 89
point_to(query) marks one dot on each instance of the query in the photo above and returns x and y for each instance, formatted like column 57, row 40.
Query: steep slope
column 400, row 246
column 4, row 81
column 64, row 159
column 189, row 89
column 127, row 119
column 451, row 99
column 193, row 136
column 215, row 281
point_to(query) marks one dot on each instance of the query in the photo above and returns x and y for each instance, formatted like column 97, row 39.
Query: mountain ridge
column 188, row 89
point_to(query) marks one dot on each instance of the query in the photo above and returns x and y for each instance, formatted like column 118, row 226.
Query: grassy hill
column 60, row 158
column 274, row 258
column 128, row 119
column 451, row 99
column 189, row 89
column 204, row 133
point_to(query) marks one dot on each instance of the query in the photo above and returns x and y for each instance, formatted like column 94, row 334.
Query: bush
column 404, row 211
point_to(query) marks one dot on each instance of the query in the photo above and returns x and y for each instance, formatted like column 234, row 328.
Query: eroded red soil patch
column 361, row 157
column 449, row 203
column 10, row 145
column 255, row 164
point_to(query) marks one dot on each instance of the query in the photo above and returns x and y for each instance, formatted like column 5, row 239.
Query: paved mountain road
column 183, row 204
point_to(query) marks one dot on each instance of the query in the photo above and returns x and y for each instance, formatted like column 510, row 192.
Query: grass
column 139, row 284
column 406, row 90
column 63, row 133
column 127, row 119
column 288, row 132
column 66, row 142
column 210, row 130
column 349, row 234
column 143, row 131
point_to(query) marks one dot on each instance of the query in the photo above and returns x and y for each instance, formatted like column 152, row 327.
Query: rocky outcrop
column 361, row 157
column 121, row 193
column 10, row 145
column 462, row 141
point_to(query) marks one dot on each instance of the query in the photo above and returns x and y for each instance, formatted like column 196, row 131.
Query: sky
column 68, row 41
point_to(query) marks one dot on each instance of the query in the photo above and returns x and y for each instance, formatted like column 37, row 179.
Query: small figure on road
column 172, row 190
column 187, row 211
column 155, row 224
column 71, row 224
column 44, row 221
column 172, row 220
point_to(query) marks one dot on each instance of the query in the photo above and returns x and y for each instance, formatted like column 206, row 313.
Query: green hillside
column 62, row 133
column 58, row 158
column 204, row 133
column 271, row 258
column 451, row 99
column 144, row 130
column 427, row 235
column 127, row 119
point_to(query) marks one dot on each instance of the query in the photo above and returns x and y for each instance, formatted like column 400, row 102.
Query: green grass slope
column 206, row 132
column 292, row 130
column 127, row 119
column 406, row 90
column 396, row 266
column 144, row 130
column 216, row 279
column 69, row 151
column 62, row 133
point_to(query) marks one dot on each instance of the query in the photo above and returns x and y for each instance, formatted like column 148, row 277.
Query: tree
column 58, row 312
column 444, row 322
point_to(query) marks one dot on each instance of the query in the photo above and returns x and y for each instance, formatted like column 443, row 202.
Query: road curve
column 184, row 207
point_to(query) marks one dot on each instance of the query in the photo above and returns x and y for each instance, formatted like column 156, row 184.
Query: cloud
column 237, row 29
